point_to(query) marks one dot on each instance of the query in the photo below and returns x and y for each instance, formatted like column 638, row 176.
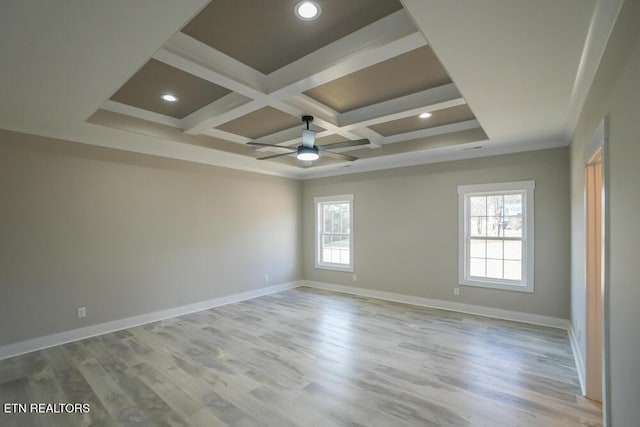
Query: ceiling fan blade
column 260, row 144
column 274, row 156
column 344, row 144
column 339, row 156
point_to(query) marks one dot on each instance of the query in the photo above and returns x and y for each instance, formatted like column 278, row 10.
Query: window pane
column 513, row 205
column 494, row 226
column 341, row 211
column 513, row 226
column 478, row 248
column 335, row 251
column 344, row 214
column 335, row 214
column 494, row 249
column 346, row 220
column 478, row 226
column 477, row 267
column 513, row 270
column 326, row 251
column 326, row 219
column 478, row 206
column 332, row 252
column 513, row 250
column 494, row 205
column 494, row 268
column 344, row 256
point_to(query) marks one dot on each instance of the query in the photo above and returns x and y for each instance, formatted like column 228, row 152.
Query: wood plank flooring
column 306, row 357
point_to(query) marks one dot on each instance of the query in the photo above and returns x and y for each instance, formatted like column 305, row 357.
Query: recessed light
column 169, row 97
column 307, row 10
column 425, row 115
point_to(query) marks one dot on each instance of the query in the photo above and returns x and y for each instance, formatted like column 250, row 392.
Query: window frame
column 319, row 202
column 526, row 188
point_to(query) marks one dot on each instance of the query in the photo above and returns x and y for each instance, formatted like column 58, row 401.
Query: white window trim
column 326, row 265
column 527, row 284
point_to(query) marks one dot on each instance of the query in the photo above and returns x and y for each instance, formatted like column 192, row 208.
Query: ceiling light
column 307, row 10
column 425, row 115
column 169, row 97
column 308, row 153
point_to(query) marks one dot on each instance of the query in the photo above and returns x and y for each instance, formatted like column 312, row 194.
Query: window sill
column 335, row 267
column 521, row 287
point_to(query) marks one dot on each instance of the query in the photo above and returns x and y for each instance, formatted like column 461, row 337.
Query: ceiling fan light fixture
column 308, row 153
column 307, row 10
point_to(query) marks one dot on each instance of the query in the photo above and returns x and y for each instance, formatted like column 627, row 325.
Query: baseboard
column 496, row 313
column 577, row 355
column 40, row 343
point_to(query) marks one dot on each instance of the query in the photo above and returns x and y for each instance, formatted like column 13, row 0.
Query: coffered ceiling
column 245, row 70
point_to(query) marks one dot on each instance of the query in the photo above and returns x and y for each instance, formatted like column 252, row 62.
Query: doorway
column 593, row 179
column 596, row 268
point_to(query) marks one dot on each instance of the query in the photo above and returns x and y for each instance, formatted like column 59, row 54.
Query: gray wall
column 406, row 229
column 616, row 94
column 125, row 234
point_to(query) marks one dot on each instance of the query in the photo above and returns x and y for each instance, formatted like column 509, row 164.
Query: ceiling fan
column 308, row 150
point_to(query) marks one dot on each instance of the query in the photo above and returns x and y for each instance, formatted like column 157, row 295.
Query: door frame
column 597, row 151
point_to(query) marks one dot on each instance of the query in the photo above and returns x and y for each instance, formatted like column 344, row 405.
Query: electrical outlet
column 266, row 278
column 82, row 312
column 355, row 278
column 456, row 291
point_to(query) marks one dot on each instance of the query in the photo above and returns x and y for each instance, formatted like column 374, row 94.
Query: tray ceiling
column 247, row 71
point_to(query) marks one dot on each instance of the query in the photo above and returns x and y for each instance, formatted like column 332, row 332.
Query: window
column 334, row 232
column 496, row 235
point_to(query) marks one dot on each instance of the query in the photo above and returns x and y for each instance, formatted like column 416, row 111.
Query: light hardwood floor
column 305, row 357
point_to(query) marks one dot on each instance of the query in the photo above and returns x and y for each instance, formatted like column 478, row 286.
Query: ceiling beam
column 320, row 121
column 230, row 107
column 433, row 131
column 384, row 39
column 291, row 136
column 204, row 72
column 217, row 133
column 313, row 107
column 139, row 113
column 328, row 118
column 405, row 106
column 189, row 48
